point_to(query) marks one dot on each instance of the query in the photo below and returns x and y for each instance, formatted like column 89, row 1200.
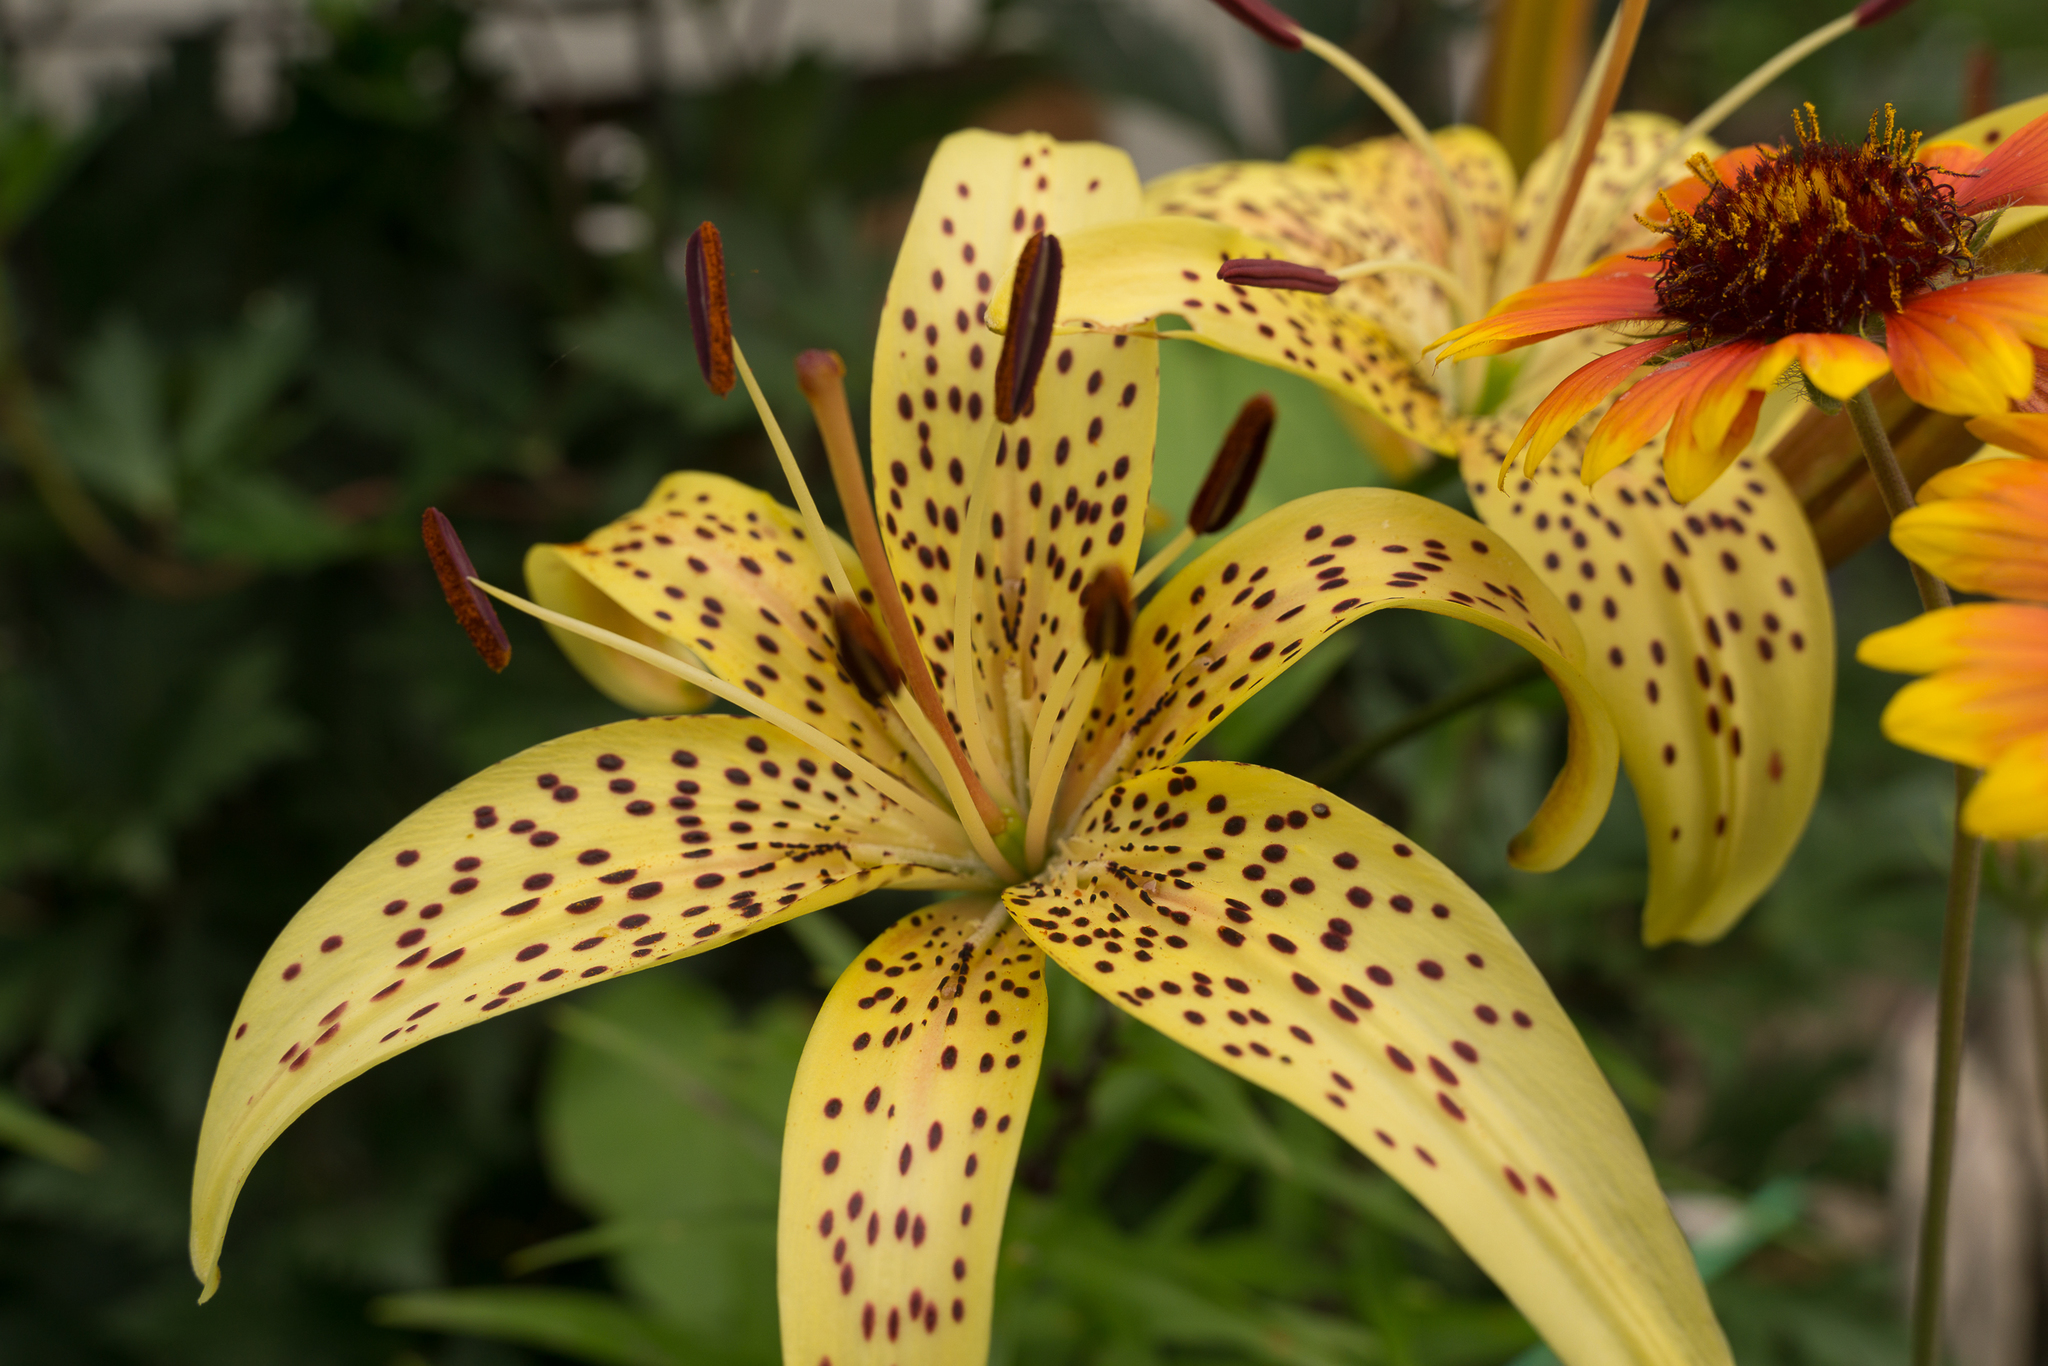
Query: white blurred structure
column 67, row 54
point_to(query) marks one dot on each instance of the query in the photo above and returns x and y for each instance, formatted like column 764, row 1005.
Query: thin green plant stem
column 2037, row 1005
column 1484, row 688
column 1892, row 487
column 1959, row 925
column 1958, row 929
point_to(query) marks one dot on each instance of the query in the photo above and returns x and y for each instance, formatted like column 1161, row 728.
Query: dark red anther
column 473, row 611
column 1034, row 302
column 1876, row 11
column 1262, row 19
column 1235, row 469
column 1261, row 273
column 862, row 654
column 1107, row 613
column 710, row 322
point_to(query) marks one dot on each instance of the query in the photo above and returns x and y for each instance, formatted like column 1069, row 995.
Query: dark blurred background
column 277, row 277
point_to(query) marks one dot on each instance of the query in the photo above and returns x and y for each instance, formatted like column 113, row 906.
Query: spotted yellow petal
column 1264, row 596
column 719, row 575
column 1603, row 219
column 1982, row 527
column 1390, row 173
column 1374, row 201
column 1710, row 640
column 1119, row 277
column 2010, row 802
column 904, row 1127
column 1086, row 444
column 552, row 581
column 1989, row 685
column 599, row 853
column 1305, row 946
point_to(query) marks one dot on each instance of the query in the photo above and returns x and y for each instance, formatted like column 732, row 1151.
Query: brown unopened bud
column 1876, row 11
column 1034, row 303
column 1262, row 19
column 1235, row 469
column 1261, row 273
column 862, row 654
column 473, row 611
column 1107, row 613
column 710, row 321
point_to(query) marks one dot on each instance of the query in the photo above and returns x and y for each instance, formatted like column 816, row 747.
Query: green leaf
column 111, row 426
column 573, row 1323
column 662, row 1116
column 238, row 380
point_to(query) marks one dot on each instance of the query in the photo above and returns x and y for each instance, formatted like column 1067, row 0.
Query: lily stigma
column 1982, row 527
column 970, row 700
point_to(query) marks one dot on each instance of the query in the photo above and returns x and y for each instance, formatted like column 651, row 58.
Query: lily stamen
column 1224, row 489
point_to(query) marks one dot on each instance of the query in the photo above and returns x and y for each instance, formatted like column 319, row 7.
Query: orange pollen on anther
column 1815, row 237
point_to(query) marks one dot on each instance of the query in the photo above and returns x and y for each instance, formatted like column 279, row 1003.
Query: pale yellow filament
column 1161, row 562
column 956, row 788
column 1045, row 782
column 814, row 525
column 967, row 681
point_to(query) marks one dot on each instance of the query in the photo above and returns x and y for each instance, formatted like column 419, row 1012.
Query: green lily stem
column 1484, row 688
column 1959, row 924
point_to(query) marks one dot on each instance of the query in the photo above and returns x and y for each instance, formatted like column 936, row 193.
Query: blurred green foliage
column 234, row 364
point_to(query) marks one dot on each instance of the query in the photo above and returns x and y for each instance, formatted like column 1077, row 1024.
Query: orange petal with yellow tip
column 1988, row 688
column 1580, row 392
column 1838, row 365
column 1619, row 289
column 2010, row 802
column 2024, row 433
column 2014, row 173
column 1968, row 349
column 1674, row 392
column 1982, row 527
column 905, row 1122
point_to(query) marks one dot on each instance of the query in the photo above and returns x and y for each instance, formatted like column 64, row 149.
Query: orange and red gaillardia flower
column 1984, row 528
column 1783, row 256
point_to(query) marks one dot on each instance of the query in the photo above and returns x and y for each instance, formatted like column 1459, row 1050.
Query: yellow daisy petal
column 1982, row 527
column 2010, row 802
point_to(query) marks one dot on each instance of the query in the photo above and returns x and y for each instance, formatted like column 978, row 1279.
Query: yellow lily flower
column 1708, row 619
column 1982, row 527
column 1266, row 924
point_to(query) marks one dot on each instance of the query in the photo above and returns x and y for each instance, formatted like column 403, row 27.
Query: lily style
column 969, row 699
column 1982, row 527
column 1707, row 622
column 1783, row 257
